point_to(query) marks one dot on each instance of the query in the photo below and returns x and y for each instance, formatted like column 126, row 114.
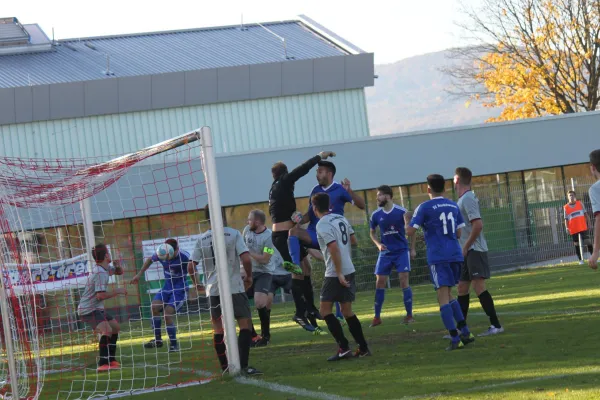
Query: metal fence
column 523, row 224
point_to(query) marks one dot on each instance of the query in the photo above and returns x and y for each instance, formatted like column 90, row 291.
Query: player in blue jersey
column 339, row 195
column 393, row 250
column 441, row 222
column 171, row 297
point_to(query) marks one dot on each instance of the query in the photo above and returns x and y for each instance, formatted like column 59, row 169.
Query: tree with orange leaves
column 533, row 57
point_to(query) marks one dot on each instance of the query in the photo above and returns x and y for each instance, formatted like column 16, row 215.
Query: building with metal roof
column 258, row 85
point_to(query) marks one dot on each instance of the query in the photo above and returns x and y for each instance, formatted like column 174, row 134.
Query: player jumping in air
column 91, row 307
column 393, row 250
column 236, row 251
column 594, row 193
column 441, row 222
column 333, row 233
column 282, row 206
column 339, row 195
column 171, row 297
column 476, row 268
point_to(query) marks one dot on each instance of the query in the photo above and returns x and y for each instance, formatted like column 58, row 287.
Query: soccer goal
column 52, row 213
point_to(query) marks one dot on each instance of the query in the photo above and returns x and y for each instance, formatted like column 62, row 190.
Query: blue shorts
column 315, row 242
column 387, row 261
column 172, row 297
column 445, row 274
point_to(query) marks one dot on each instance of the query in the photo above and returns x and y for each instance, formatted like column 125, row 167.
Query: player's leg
column 577, row 248
column 402, row 263
column 250, row 293
column 172, row 306
column 218, row 331
column 480, row 271
column 262, row 286
column 280, row 241
column 297, row 237
column 587, row 242
column 383, row 269
column 443, row 280
column 243, row 315
column 104, row 330
column 461, row 324
column 330, row 292
column 112, row 342
column 346, row 298
column 156, row 308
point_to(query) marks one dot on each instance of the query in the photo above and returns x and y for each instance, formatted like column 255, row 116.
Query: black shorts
column 584, row 236
column 241, row 306
column 281, row 281
column 96, row 317
column 280, row 241
column 261, row 282
column 476, row 266
column 333, row 290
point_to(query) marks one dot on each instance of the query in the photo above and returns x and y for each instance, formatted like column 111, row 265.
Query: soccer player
column 91, row 307
column 171, row 297
column 257, row 238
column 282, row 208
column 576, row 223
column 236, row 251
column 441, row 222
column 339, row 195
column 594, row 193
column 333, row 233
column 393, row 251
column 476, row 268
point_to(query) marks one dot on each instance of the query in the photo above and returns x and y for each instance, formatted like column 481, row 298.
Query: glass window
column 544, row 185
column 418, row 195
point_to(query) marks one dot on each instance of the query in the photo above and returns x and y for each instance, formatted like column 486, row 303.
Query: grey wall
column 152, row 92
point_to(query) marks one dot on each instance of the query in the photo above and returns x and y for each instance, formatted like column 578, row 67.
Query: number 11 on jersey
column 445, row 218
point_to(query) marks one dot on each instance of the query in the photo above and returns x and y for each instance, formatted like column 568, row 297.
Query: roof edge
column 330, row 36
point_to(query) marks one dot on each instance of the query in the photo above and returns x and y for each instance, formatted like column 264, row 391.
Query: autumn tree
column 531, row 57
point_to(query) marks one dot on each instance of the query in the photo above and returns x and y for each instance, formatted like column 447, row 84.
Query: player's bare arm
column 145, row 267
column 118, row 268
column 191, row 267
column 263, row 258
column 247, row 264
column 477, row 227
column 593, row 261
column 358, row 200
column 110, row 294
column 376, row 241
column 336, row 257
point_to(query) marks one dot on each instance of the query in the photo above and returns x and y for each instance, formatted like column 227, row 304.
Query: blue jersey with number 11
column 440, row 218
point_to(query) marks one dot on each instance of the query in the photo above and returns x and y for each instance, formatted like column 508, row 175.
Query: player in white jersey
column 595, row 199
column 333, row 234
column 236, row 250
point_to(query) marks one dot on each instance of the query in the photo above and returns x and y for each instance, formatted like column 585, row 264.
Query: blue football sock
column 156, row 321
column 172, row 332
column 448, row 317
column 458, row 317
column 379, row 298
column 294, row 246
column 338, row 311
column 408, row 300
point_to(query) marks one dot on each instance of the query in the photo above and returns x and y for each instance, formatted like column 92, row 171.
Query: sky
column 392, row 29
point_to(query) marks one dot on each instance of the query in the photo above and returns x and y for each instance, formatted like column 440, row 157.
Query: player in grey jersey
column 333, row 233
column 236, row 250
column 594, row 193
column 262, row 252
column 476, row 268
column 91, row 307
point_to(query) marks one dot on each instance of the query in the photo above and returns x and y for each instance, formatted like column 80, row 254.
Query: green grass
column 550, row 345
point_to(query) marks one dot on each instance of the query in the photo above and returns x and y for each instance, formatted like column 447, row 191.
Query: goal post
column 52, row 213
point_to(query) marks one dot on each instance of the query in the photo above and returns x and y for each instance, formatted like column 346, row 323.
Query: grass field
column 549, row 350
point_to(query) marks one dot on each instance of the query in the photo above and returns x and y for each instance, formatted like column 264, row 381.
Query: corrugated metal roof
column 161, row 52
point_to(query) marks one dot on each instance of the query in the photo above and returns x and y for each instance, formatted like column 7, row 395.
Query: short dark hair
column 572, row 191
column 464, row 175
column 99, row 252
column 436, row 182
column 172, row 243
column 259, row 215
column 385, row 189
column 207, row 212
column 595, row 159
column 321, row 202
column 278, row 169
column 329, row 165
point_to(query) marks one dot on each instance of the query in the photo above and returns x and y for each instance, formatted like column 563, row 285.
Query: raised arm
column 357, row 200
column 306, row 166
column 145, row 267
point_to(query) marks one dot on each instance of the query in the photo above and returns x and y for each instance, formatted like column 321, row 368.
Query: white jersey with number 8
column 335, row 228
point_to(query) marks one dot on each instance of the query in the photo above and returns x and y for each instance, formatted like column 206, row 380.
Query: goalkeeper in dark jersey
column 282, row 208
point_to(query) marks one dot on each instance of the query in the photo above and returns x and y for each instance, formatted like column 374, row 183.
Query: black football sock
column 298, row 295
column 487, row 303
column 221, row 349
column 112, row 347
column 254, row 333
column 335, row 328
column 244, row 341
column 464, row 301
column 357, row 332
column 578, row 251
column 309, row 294
column 265, row 322
column 103, row 350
